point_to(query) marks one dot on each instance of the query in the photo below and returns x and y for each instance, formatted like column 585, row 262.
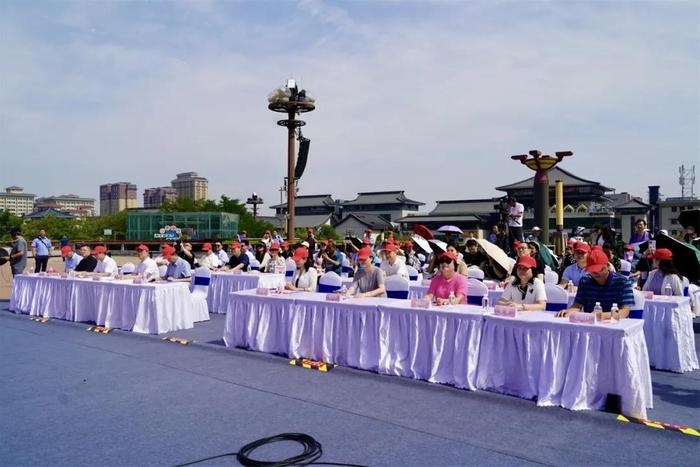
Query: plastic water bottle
column 570, row 287
column 451, row 298
column 614, row 313
column 598, row 311
column 668, row 290
column 343, row 289
column 485, row 302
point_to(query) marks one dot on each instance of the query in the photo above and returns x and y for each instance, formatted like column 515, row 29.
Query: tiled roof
column 382, row 197
column 308, row 201
column 554, row 174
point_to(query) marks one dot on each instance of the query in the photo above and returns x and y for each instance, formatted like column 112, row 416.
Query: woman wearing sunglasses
column 448, row 281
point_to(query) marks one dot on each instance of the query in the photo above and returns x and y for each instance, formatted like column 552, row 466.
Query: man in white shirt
column 515, row 219
column 71, row 259
column 106, row 266
column 245, row 249
column 209, row 260
column 392, row 264
column 220, row 253
column 147, row 268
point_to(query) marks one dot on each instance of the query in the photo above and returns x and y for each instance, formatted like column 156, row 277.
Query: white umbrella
column 422, row 243
column 438, row 246
column 498, row 255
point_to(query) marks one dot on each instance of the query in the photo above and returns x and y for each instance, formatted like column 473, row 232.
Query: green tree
column 7, row 222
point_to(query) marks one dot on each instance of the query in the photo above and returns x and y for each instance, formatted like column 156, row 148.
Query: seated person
column 392, row 264
column 332, row 260
column 526, row 292
column 147, row 268
column 71, row 260
column 448, row 280
column 209, row 260
column 178, row 269
column 261, row 254
column 473, row 256
column 88, row 263
column 106, row 266
column 306, row 276
column 369, row 279
column 276, row 263
column 576, row 271
column 410, row 255
column 601, row 285
column 238, row 261
column 220, row 252
column 663, row 274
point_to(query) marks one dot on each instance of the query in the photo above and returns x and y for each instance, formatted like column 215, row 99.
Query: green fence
column 170, row 225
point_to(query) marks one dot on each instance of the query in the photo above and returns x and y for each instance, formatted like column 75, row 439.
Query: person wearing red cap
column 306, row 276
column 629, row 253
column 332, row 259
column 576, row 271
column 284, row 250
column 106, row 266
column 602, row 286
column 410, row 255
column 526, row 292
column 392, row 265
column 71, row 259
column 368, row 280
column 664, row 275
column 276, row 264
column 310, row 240
column 209, row 259
column 238, row 261
column 178, row 269
column 448, row 280
column 147, row 268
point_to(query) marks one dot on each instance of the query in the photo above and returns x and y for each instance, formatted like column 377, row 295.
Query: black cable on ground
column 312, row 451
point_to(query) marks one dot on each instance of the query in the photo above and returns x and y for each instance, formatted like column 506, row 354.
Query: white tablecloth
column 418, row 291
column 143, row 308
column 377, row 334
column 223, row 283
column 537, row 356
column 668, row 328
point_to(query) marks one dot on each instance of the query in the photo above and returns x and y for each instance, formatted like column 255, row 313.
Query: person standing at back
column 515, row 219
column 18, row 255
column 41, row 249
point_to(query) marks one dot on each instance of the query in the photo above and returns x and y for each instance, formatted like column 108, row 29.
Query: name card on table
column 137, row 280
column 64, row 275
column 262, row 291
column 648, row 295
column 509, row 311
column 420, row 303
column 96, row 278
column 582, row 318
column 332, row 297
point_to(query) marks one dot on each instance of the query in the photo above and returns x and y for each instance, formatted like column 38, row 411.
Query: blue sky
column 429, row 97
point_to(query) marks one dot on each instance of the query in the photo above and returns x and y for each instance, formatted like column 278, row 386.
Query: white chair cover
column 637, row 312
column 396, row 287
column 413, row 273
column 254, row 265
column 329, row 282
column 551, row 277
column 200, row 290
column 128, row 268
column 347, row 268
column 162, row 270
column 557, row 298
column 289, row 273
column 476, row 291
column 475, row 272
column 625, row 267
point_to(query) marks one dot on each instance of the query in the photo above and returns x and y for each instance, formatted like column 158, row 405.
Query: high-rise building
column 72, row 204
column 16, row 201
column 154, row 197
column 115, row 197
column 191, row 185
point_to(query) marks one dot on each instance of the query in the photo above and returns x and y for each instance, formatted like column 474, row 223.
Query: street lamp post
column 255, row 200
column 291, row 101
column 541, row 165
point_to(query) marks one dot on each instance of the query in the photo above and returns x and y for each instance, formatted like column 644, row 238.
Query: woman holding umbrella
column 664, row 276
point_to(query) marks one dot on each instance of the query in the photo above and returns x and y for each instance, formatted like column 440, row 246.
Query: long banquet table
column 223, row 283
column 151, row 308
column 452, row 345
column 668, row 328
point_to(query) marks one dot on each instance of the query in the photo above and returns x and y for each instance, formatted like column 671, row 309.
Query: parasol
column 498, row 255
column 422, row 244
column 450, row 229
column 690, row 218
column 438, row 246
column 686, row 257
column 355, row 241
column 423, row 231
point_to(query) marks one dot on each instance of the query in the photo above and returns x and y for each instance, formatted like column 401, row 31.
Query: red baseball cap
column 629, row 247
column 365, row 241
column 390, row 247
column 235, row 245
column 99, row 249
column 528, row 261
column 663, row 254
column 448, row 254
column 596, row 260
column 300, row 253
column 571, row 243
column 285, row 244
column 206, row 247
column 142, row 247
column 408, row 244
column 364, row 253
column 516, row 244
column 168, row 251
column 582, row 246
column 309, row 230
column 65, row 250
column 275, row 246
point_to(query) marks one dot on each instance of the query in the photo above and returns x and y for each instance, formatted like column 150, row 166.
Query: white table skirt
column 418, row 291
column 143, row 308
column 537, row 356
column 377, row 334
column 223, row 283
column 668, row 328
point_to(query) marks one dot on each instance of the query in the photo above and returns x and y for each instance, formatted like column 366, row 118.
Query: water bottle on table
column 485, row 302
column 668, row 290
column 451, row 298
column 598, row 312
column 614, row 313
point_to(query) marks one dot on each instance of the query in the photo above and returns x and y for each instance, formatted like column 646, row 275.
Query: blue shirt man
column 71, row 258
column 332, row 260
column 573, row 273
column 41, row 245
column 177, row 268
